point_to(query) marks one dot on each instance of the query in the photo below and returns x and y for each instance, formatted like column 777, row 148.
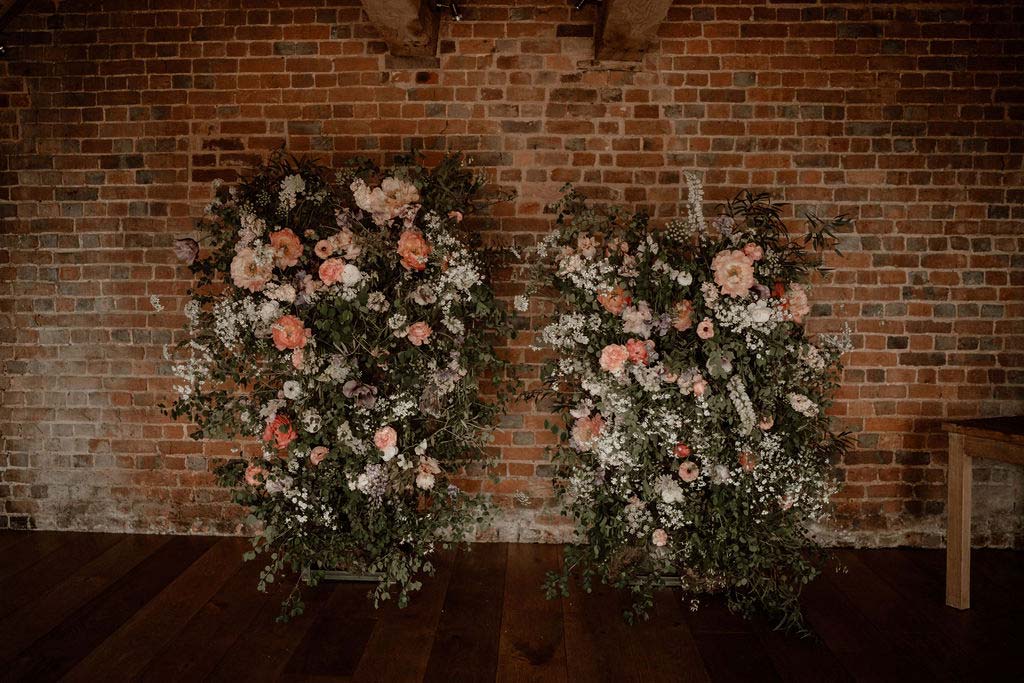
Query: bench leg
column 958, row 526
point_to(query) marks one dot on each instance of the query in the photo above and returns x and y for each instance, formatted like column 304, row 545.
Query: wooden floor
column 102, row 607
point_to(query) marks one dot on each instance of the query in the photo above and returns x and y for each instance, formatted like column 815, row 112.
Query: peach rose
column 287, row 247
column 797, row 300
column 638, row 352
column 683, row 315
column 613, row 357
column 419, row 333
column 688, row 471
column 413, row 249
column 700, row 385
column 323, row 248
column 734, row 272
column 279, row 431
column 252, row 474
column 614, row 300
column 317, row 455
column 705, row 330
column 753, row 252
column 248, row 272
column 331, row 270
column 586, row 429
column 766, row 423
column 386, row 439
column 290, row 333
column 659, row 538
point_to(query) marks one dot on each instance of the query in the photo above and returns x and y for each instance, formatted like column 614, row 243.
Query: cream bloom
column 249, row 271
column 734, row 272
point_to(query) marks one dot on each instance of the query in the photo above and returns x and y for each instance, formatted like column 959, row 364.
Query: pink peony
column 290, row 333
column 638, row 352
column 734, row 272
column 682, row 319
column 688, row 471
column 659, row 538
column 419, row 333
column 331, row 270
column 614, row 300
column 248, row 272
column 705, row 330
column 753, row 252
column 252, row 474
column 385, row 438
column 797, row 300
column 317, row 455
column 413, row 249
column 287, row 247
column 279, row 432
column 345, row 242
column 613, row 357
column 426, row 472
column 586, row 429
column 323, row 248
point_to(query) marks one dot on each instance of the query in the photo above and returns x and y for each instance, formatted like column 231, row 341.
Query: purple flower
column 364, row 395
column 186, row 249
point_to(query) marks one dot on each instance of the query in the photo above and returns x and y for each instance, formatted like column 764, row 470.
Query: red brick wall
column 116, row 115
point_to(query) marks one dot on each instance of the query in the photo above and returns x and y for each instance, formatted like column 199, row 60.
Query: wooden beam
column 627, row 27
column 408, row 26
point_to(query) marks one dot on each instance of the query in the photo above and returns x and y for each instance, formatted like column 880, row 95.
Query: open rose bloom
column 339, row 322
column 694, row 400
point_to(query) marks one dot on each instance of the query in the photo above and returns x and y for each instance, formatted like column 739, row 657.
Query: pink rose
column 614, row 300
column 683, row 316
column 317, row 455
column 700, row 385
column 734, row 272
column 613, row 357
column 279, row 432
column 797, row 302
column 705, row 330
column 331, row 270
column 413, row 249
column 290, row 333
column 659, row 538
column 418, row 333
column 688, row 471
column 586, row 429
column 298, row 357
column 252, row 474
column 638, row 352
column 287, row 247
column 247, row 272
column 323, row 248
column 753, row 252
column 386, row 439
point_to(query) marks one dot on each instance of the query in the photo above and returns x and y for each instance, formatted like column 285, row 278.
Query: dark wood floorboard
column 97, row 607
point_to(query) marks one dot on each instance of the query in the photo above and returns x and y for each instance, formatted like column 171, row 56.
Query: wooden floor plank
column 81, row 632
column 213, row 630
column 8, row 537
column 400, row 645
column 129, row 649
column 30, row 549
column 32, row 582
column 532, row 646
column 466, row 645
column 21, row 628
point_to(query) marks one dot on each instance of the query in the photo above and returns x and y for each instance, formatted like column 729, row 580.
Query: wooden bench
column 997, row 438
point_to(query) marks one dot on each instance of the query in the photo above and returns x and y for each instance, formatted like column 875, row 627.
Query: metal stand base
column 339, row 575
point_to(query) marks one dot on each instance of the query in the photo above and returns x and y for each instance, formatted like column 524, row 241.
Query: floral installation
column 345, row 324
column 694, row 439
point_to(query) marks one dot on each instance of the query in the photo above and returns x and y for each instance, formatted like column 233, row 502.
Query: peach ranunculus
column 331, row 270
column 287, row 247
column 682, row 318
column 797, row 300
column 249, row 271
column 706, row 329
column 413, row 249
column 614, row 300
column 753, row 251
column 586, row 429
column 279, row 432
column 323, row 249
column 252, row 474
column 613, row 358
column 638, row 351
column 419, row 333
column 317, row 455
column 688, row 471
column 734, row 272
column 659, row 538
column 290, row 333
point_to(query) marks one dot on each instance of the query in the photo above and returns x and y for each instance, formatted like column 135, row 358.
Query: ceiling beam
column 627, row 27
column 409, row 27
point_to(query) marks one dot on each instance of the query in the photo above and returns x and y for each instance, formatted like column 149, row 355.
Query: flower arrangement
column 694, row 440
column 343, row 324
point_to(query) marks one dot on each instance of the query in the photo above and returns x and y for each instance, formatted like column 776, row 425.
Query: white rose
column 760, row 313
column 292, row 390
column 684, row 279
column 350, row 275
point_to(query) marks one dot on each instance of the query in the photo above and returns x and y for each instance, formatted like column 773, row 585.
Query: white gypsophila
column 741, row 401
column 193, row 371
column 590, row 276
column 227, row 323
column 270, row 408
column 803, row 405
column 337, row 370
column 291, row 186
column 637, row 518
column 154, row 301
column 695, row 202
column 462, row 276
column 453, row 325
column 610, row 449
column 710, row 292
column 284, row 293
column 192, row 311
column 377, row 302
column 583, row 409
column 292, row 390
column 311, row 421
column 567, row 331
column 348, row 439
column 398, row 324
column 401, row 408
column 521, row 303
column 249, row 221
column 811, row 356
